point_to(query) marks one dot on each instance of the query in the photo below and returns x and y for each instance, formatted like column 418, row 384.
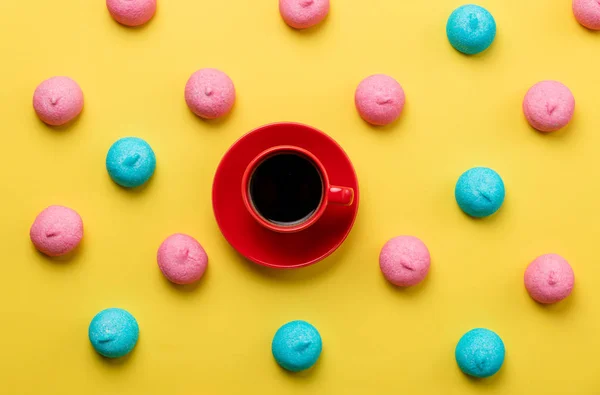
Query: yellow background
column 215, row 338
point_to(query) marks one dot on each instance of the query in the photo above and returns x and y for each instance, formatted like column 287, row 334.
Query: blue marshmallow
column 479, row 192
column 113, row 332
column 297, row 346
column 471, row 29
column 480, row 353
column 130, row 162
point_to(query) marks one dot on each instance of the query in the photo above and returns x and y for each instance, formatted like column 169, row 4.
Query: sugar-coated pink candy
column 182, row 259
column 587, row 12
column 58, row 100
column 131, row 12
column 548, row 106
column 56, row 231
column 302, row 14
column 379, row 99
column 549, row 279
column 210, row 93
column 404, row 261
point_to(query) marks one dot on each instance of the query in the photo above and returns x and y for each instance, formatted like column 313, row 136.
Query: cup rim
column 256, row 161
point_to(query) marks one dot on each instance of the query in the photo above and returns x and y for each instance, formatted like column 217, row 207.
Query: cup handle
column 341, row 195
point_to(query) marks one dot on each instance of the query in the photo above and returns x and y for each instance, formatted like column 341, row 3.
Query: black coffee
column 286, row 189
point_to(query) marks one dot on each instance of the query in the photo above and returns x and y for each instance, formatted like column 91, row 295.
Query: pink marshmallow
column 56, row 231
column 379, row 99
column 131, row 12
column 548, row 106
column 210, row 93
column 302, row 14
column 404, row 261
column 58, row 100
column 182, row 259
column 587, row 12
column 549, row 279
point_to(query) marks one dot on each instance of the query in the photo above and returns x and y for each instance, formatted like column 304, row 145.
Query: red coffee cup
column 273, row 174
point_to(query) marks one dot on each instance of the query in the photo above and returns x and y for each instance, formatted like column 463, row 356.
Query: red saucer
column 282, row 250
